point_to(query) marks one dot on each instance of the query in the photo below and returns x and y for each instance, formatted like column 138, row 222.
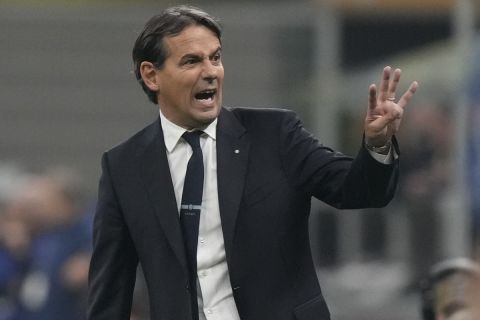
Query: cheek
column 185, row 87
column 221, row 74
column 179, row 92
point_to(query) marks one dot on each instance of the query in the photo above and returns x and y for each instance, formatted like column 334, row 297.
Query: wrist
column 384, row 149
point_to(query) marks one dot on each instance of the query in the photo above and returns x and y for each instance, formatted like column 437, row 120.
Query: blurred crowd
column 45, row 245
column 45, row 232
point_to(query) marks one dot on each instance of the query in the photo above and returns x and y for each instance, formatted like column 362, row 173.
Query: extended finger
column 408, row 94
column 384, row 84
column 392, row 88
column 372, row 98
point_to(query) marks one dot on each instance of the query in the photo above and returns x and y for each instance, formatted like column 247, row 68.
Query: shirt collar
column 172, row 132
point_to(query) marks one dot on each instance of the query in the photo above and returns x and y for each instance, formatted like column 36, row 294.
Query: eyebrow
column 194, row 55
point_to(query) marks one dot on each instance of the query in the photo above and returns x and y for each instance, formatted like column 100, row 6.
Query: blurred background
column 67, row 93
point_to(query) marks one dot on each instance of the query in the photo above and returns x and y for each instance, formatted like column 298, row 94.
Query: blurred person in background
column 451, row 291
column 56, row 251
column 247, row 254
column 473, row 147
column 14, row 245
column 14, row 239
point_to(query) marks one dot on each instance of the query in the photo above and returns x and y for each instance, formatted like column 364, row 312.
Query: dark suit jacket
column 264, row 197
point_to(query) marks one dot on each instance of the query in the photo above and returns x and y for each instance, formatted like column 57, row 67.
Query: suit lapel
column 156, row 174
column 232, row 157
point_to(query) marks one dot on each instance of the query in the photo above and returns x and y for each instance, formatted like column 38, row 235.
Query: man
column 242, row 250
column 47, row 212
column 452, row 291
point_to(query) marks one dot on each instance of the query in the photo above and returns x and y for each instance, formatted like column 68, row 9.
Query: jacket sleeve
column 114, row 258
column 332, row 177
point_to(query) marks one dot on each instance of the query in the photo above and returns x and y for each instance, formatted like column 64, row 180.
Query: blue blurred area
column 473, row 174
column 45, row 240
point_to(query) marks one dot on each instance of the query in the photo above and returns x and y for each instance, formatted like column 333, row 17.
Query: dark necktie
column 190, row 211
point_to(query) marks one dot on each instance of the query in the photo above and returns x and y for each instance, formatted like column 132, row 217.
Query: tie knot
column 193, row 138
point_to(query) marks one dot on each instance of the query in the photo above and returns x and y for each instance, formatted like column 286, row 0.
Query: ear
column 149, row 75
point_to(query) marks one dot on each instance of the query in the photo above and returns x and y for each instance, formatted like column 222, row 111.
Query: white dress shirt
column 215, row 295
column 384, row 158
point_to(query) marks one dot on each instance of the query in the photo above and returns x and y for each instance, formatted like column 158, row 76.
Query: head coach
column 213, row 202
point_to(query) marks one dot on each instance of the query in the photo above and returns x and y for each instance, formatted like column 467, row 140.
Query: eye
column 190, row 60
column 217, row 57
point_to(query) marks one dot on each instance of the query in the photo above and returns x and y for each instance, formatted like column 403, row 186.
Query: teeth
column 206, row 94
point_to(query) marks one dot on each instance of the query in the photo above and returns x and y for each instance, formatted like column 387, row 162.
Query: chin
column 204, row 121
column 208, row 116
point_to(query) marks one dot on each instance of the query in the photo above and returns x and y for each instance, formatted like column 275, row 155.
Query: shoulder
column 135, row 142
column 246, row 112
column 251, row 117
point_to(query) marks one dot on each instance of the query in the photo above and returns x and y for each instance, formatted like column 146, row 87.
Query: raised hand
column 384, row 115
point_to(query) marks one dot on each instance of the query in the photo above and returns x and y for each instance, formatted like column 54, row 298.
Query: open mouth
column 207, row 94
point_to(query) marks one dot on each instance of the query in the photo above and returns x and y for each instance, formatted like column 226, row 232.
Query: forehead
column 454, row 288
column 194, row 39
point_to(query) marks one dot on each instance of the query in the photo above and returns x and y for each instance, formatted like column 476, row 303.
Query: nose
column 210, row 71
